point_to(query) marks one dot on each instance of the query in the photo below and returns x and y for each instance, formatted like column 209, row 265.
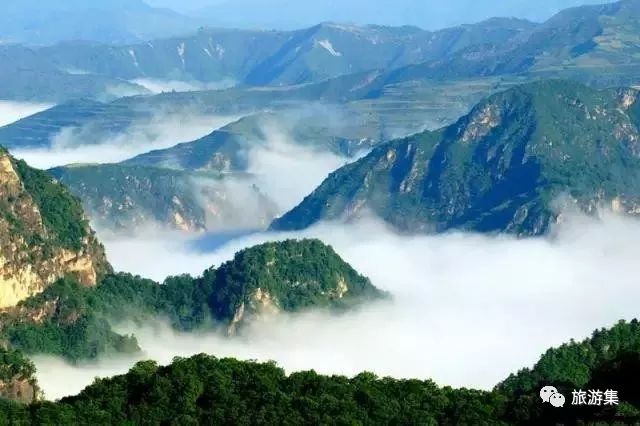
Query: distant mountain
column 43, row 234
column 125, row 198
column 500, row 168
column 278, row 57
column 40, row 22
column 291, row 14
column 593, row 44
column 28, row 76
column 74, row 69
column 202, row 185
column 596, row 44
column 227, row 149
column 39, row 130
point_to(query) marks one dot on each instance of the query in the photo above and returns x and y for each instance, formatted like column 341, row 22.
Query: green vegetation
column 74, row 322
column 13, row 364
column 610, row 359
column 501, row 168
column 123, row 197
column 17, row 378
column 207, row 390
column 61, row 212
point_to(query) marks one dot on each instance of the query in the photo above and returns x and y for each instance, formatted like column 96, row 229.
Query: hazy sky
column 425, row 13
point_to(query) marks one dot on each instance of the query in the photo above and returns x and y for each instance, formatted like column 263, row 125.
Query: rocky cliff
column 43, row 234
column 507, row 166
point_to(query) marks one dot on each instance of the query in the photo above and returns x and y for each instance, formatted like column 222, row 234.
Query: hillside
column 278, row 57
column 74, row 322
column 595, row 44
column 43, row 234
column 126, row 198
column 205, row 389
column 227, row 149
column 592, row 44
column 501, row 168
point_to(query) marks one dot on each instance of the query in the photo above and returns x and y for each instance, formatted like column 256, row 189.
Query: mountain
column 39, row 130
column 227, row 149
column 501, row 168
column 291, row 14
column 204, row 389
column 74, row 322
column 214, row 58
column 125, row 198
column 43, row 234
column 28, row 76
column 595, row 44
column 40, row 22
column 278, row 57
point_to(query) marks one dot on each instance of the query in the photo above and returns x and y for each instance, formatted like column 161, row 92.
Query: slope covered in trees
column 286, row 277
column 207, row 390
column 501, row 168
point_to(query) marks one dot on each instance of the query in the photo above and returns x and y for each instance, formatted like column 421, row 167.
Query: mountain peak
column 501, row 168
column 43, row 234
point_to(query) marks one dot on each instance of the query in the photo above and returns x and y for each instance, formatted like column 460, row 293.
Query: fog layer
column 467, row 309
column 11, row 111
column 163, row 130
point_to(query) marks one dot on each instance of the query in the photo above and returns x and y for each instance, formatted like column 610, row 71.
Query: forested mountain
column 125, row 198
column 43, row 234
column 71, row 321
column 204, row 389
column 501, row 168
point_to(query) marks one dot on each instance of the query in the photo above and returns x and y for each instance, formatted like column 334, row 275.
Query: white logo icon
column 551, row 395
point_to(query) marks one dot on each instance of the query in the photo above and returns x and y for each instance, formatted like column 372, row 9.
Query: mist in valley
column 12, row 111
column 467, row 309
column 82, row 145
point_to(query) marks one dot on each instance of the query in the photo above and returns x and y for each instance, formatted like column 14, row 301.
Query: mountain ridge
column 498, row 169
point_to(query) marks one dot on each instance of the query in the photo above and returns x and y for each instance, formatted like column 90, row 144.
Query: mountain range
column 595, row 44
column 501, row 168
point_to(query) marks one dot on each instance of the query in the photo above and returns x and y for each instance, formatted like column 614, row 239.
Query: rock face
column 501, row 168
column 43, row 234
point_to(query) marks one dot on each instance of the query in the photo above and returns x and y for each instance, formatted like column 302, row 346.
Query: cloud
column 285, row 170
column 11, row 111
column 467, row 309
column 162, row 130
column 161, row 86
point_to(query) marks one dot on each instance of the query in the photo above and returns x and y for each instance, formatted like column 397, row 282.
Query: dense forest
column 73, row 321
column 207, row 390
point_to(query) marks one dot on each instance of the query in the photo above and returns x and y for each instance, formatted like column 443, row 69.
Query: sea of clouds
column 467, row 309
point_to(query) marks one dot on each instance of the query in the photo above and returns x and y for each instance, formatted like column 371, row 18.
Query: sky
column 430, row 14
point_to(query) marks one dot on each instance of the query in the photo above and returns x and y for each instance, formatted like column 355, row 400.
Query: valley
column 340, row 223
